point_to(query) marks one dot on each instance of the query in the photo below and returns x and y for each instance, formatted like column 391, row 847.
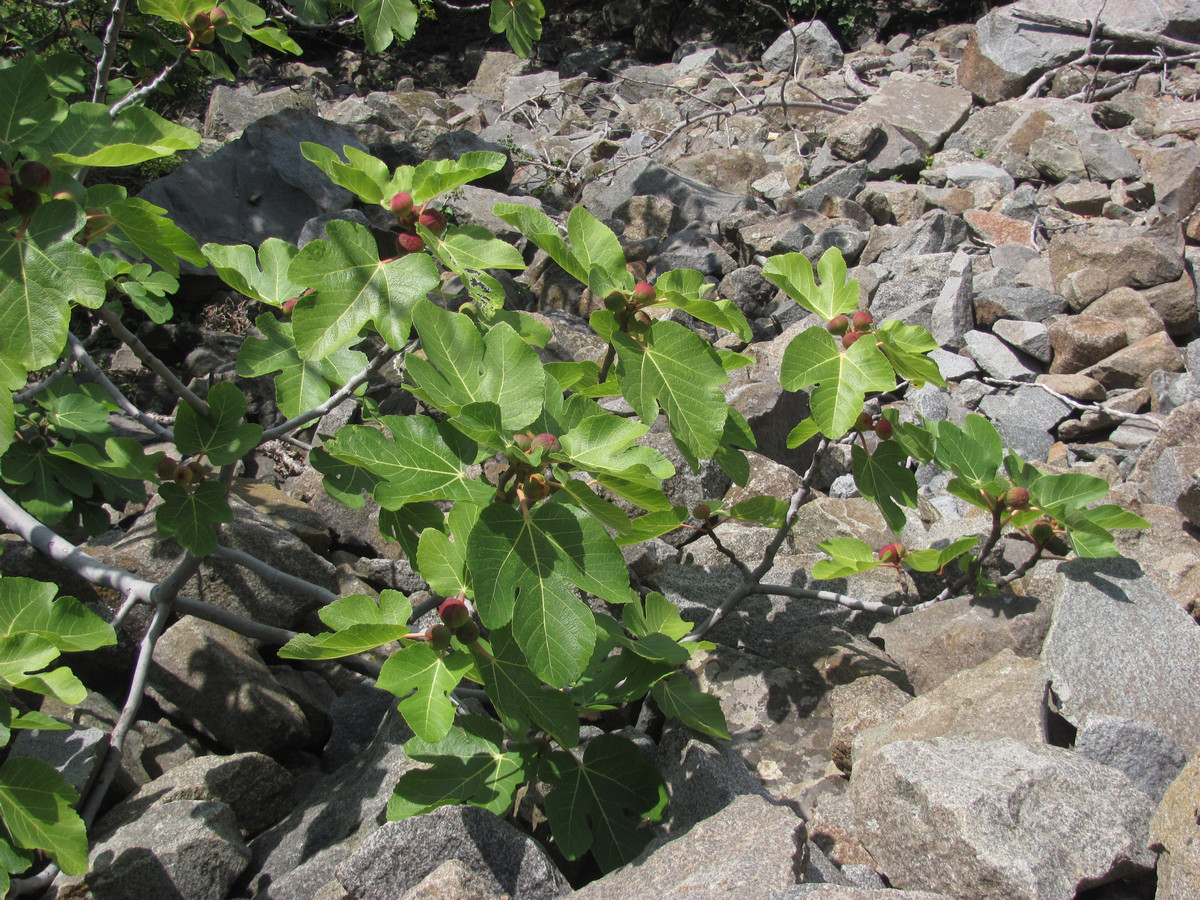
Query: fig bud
column 644, row 293
column 884, row 429
column 702, row 511
column 166, row 468
column 850, row 338
column 864, row 422
column 838, row 325
column 523, row 441
column 218, row 17
column 183, row 475
column 433, row 220
column 401, row 204
column 536, row 488
column 454, row 612
column 892, row 553
column 614, row 302
column 468, row 632
column 862, row 320
column 1016, row 498
column 547, row 443
column 410, row 243
column 439, row 636
column 289, row 305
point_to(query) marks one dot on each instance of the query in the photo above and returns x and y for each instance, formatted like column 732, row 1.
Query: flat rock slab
column 924, row 113
column 999, row 820
column 746, row 850
column 1119, row 645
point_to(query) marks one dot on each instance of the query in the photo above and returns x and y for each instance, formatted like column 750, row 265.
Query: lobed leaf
column 423, row 678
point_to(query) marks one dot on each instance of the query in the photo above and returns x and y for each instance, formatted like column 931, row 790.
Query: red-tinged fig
column 198, row 472
column 201, row 21
column 433, row 220
column 25, row 202
column 207, row 36
column 644, row 293
column 884, row 429
column 547, row 443
column 166, row 468
column 702, row 511
column 1016, row 498
column 454, row 612
column 183, row 475
column 523, row 441
column 892, row 553
column 439, row 636
column 838, row 325
column 410, row 243
column 401, row 204
column 864, row 422
column 218, row 17
column 850, row 337
column 862, row 320
column 34, row 175
column 289, row 305
column 468, row 632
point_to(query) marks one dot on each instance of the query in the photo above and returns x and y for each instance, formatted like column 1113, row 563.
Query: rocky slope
column 1034, row 745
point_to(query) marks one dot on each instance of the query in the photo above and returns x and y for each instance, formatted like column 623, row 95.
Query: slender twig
column 333, row 402
column 142, row 352
column 873, row 606
column 33, row 390
column 112, row 41
column 79, row 353
column 269, row 573
column 1076, row 404
column 136, row 96
column 1107, row 31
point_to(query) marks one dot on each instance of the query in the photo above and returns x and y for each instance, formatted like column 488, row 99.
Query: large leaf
column 523, row 569
column 35, row 802
column 538, row 228
column 523, row 702
column 442, row 563
column 607, row 443
column 301, row 384
column 471, row 764
column 794, row 274
column 89, row 136
column 42, row 272
column 423, row 678
column 353, row 287
column 1053, row 493
column 973, row 452
column 906, row 347
column 385, row 20
column 360, row 624
column 361, row 173
column 191, row 517
column 27, row 111
column 151, row 233
column 687, row 289
column 218, row 435
column 883, row 476
column 434, row 177
column 29, row 606
column 520, row 21
column 843, row 377
column 461, row 366
column 238, row 268
column 677, row 370
column 421, row 460
column 600, row 804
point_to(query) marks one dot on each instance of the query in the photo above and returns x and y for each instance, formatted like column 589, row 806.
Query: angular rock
column 860, row 705
column 1080, row 341
column 1122, row 260
column 809, row 39
column 936, row 232
column 1028, row 304
column 953, row 315
column 1107, row 612
column 1150, row 758
column 1004, row 697
column 1176, row 829
column 214, row 680
column 846, row 182
column 398, row 856
column 1133, row 366
column 1131, row 309
column 188, row 848
column 1176, row 304
column 1031, row 338
column 924, row 112
column 999, row 820
column 996, row 358
column 768, row 854
column 962, row 633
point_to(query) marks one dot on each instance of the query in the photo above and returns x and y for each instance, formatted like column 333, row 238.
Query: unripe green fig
column 1042, row 532
column 198, row 472
column 862, row 320
column 838, row 325
column 25, row 202
column 524, row 442
column 200, row 22
column 884, row 429
column 850, row 338
column 536, row 488
column 454, row 612
column 410, row 243
column 218, row 16
column 468, row 632
column 615, row 302
column 433, row 220
column 401, row 204
column 183, row 475
column 439, row 636
column 892, row 553
column 207, row 36
column 864, row 422
column 289, row 305
column 644, row 293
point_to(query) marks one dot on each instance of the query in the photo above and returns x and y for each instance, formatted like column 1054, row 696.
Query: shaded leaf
column 217, row 435
column 191, row 517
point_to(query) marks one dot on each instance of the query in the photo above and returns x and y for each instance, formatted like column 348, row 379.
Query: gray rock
column 859, row 705
column 698, row 203
column 701, row 779
column 821, row 869
column 953, row 315
column 1176, row 829
column 953, row 366
column 256, row 187
column 936, row 232
column 1025, row 419
column 76, row 753
column 925, row 112
column 1028, row 304
column 810, row 39
column 999, row 820
column 189, row 848
column 232, row 109
column 838, row 892
column 301, row 853
column 705, row 864
column 962, row 633
column 396, row 857
column 258, row 791
column 1031, row 338
column 995, row 358
column 1151, row 759
column 845, row 182
column 213, row 679
column 1107, row 613
column 354, row 720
